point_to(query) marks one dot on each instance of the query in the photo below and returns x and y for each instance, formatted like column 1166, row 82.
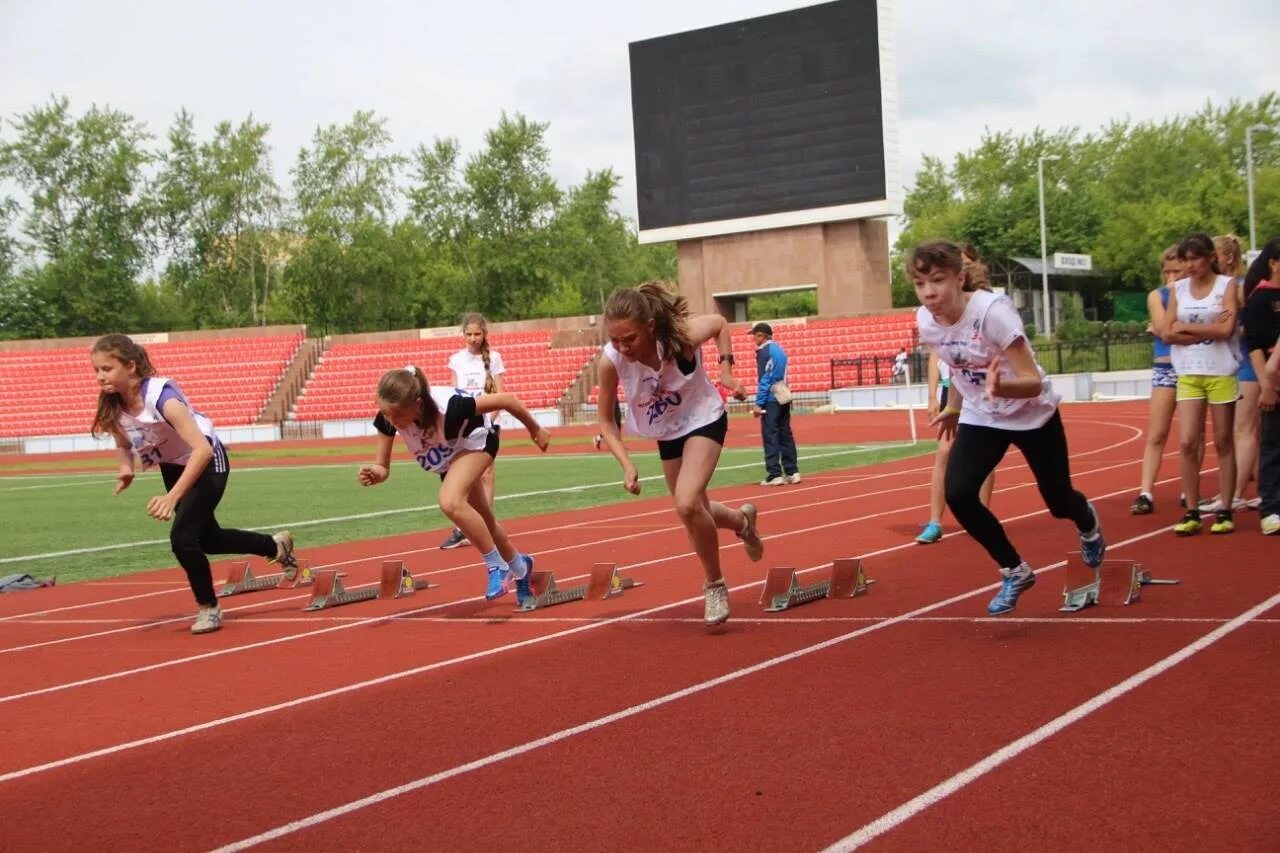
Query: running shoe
column 598, row 441
column 1271, row 525
column 208, row 620
column 1190, row 524
column 793, row 479
column 750, row 537
column 774, row 481
column 1093, row 549
column 716, row 610
column 1143, row 505
column 498, row 583
column 284, row 554
column 1223, row 523
column 1253, row 503
column 453, row 540
column 932, row 533
column 524, row 585
column 1214, row 505
column 1016, row 582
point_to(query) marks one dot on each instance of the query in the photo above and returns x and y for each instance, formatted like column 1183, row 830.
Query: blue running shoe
column 498, row 579
column 1092, row 551
column 932, row 533
column 1016, row 582
column 524, row 585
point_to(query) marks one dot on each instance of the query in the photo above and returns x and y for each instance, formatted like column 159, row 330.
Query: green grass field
column 323, row 504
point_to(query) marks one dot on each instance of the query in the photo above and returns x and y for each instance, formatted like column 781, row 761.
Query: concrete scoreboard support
column 847, row 263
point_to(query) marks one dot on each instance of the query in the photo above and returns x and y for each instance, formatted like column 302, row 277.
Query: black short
column 674, row 448
column 490, row 445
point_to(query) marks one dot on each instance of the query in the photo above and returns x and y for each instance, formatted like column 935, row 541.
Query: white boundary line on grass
column 634, row 710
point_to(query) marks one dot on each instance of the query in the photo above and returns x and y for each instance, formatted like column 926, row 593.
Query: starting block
column 782, row 588
column 396, row 582
column 1113, row 582
column 603, row 583
column 241, row 579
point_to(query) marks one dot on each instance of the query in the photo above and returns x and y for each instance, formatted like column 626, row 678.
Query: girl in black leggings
column 1001, row 398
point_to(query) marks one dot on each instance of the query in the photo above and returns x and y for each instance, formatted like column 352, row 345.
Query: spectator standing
column 773, row 407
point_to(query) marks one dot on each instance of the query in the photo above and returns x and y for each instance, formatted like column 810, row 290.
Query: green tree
column 88, row 219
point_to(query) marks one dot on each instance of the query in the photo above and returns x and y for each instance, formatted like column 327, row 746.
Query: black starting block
column 1113, row 582
column 782, row 588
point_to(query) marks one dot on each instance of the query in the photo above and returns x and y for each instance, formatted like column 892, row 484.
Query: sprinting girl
column 976, row 277
column 1164, row 384
column 1200, row 324
column 448, row 432
column 149, row 417
column 655, row 351
column 1003, row 398
column 477, row 370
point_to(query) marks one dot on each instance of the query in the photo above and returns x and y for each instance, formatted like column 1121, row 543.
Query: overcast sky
column 436, row 69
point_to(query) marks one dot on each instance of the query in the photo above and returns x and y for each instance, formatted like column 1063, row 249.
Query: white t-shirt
column 151, row 436
column 988, row 326
column 468, row 368
column 667, row 403
column 456, row 416
column 1208, row 357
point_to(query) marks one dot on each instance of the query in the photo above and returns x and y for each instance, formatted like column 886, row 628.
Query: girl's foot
column 716, row 610
column 751, row 541
column 208, row 620
column 932, row 533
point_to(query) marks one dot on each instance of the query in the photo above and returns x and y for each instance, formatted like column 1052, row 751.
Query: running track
column 905, row 719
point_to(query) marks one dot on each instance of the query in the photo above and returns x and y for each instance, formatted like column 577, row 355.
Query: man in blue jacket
column 775, row 418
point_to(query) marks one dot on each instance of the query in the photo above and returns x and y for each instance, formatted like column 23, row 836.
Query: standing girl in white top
column 655, row 351
column 477, row 370
column 1200, row 324
column 1002, row 398
column 448, row 432
column 149, row 417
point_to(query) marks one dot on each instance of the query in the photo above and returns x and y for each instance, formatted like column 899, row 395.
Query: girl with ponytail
column 655, row 352
column 449, row 432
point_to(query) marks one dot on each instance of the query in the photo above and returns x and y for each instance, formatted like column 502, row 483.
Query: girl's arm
column 705, row 327
column 934, row 380
column 608, row 377
column 1025, row 382
column 380, row 469
column 179, row 417
column 510, row 403
column 124, row 459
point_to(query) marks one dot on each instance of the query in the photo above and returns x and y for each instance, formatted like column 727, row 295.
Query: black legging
column 974, row 455
column 196, row 532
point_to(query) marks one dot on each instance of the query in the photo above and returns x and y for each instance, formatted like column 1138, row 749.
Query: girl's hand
column 1267, row 397
column 993, row 379
column 946, row 421
column 123, row 481
column 161, row 507
column 541, row 438
column 631, row 479
column 372, row 475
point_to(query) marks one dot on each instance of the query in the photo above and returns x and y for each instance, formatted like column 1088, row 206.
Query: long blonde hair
column 123, row 349
column 405, row 387
column 1228, row 246
column 479, row 320
column 657, row 301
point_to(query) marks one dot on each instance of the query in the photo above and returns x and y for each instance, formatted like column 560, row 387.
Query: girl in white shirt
column 448, row 433
column 477, row 370
column 1003, row 398
column 655, row 351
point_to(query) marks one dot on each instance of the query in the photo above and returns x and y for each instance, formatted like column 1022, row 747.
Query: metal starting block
column 241, row 579
column 396, row 582
column 604, row 582
column 782, row 588
column 1113, row 582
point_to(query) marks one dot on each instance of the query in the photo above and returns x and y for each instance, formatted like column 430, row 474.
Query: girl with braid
column 655, row 352
column 477, row 370
column 449, row 432
column 151, row 419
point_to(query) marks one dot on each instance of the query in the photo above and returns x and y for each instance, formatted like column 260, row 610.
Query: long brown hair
column 123, row 349
column 976, row 274
column 404, row 387
column 657, row 301
column 479, row 320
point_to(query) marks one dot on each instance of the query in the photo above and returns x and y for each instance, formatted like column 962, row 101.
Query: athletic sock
column 494, row 560
column 518, row 565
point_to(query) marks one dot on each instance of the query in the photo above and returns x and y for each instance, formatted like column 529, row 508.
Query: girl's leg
column 1223, row 415
column 461, row 500
column 1190, row 442
column 937, row 494
column 687, row 479
column 193, row 514
column 988, row 486
column 1159, row 419
column 486, row 481
column 1246, row 438
column 974, row 455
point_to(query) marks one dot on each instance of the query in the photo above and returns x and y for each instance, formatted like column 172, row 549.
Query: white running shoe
column 208, row 620
column 1271, row 525
column 774, row 481
column 750, row 538
column 717, row 603
column 284, row 554
column 793, row 479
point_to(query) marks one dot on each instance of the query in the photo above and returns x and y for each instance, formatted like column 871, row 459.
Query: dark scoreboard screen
column 764, row 116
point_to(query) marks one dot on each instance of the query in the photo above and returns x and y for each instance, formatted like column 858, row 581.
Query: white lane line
column 891, row 820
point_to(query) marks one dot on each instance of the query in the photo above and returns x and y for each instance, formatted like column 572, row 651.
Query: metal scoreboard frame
column 668, row 50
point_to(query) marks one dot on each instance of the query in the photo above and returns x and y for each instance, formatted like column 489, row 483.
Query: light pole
column 1044, row 248
column 1248, row 170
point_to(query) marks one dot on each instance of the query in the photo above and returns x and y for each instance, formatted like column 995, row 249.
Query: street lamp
column 1248, row 168
column 1044, row 249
